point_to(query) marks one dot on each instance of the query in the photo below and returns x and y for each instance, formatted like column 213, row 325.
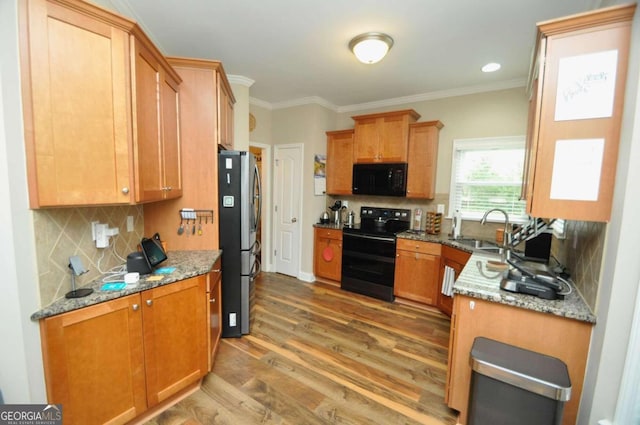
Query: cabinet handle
column 169, row 188
column 125, row 190
column 149, row 303
column 212, row 300
column 135, row 307
column 216, row 271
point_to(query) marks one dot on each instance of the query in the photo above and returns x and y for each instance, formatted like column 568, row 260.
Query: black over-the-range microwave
column 380, row 179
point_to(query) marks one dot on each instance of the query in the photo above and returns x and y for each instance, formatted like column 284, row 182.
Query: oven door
column 368, row 264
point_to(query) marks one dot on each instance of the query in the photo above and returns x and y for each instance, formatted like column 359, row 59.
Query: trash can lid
column 531, row 371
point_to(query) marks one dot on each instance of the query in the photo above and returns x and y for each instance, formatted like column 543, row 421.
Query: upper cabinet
column 339, row 162
column 423, row 158
column 382, row 137
column 225, row 114
column 82, row 97
column 577, row 87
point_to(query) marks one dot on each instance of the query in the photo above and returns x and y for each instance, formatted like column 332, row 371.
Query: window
column 486, row 174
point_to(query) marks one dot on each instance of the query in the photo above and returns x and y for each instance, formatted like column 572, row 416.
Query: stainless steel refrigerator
column 239, row 217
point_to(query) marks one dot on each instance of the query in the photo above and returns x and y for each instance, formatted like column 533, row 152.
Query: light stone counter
column 187, row 263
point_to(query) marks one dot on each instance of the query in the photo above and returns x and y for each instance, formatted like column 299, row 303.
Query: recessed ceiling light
column 491, row 67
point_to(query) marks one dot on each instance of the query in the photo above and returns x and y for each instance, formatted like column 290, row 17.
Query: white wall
column 621, row 268
column 240, row 117
column 21, row 372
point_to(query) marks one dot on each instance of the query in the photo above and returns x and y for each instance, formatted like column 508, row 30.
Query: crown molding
column 240, row 80
column 441, row 94
column 124, row 8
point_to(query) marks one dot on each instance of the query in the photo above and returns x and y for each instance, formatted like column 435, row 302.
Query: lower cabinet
column 110, row 362
column 327, row 256
column 456, row 259
column 559, row 337
column 214, row 311
column 417, row 273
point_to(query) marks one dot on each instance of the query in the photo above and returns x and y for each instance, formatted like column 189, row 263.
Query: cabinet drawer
column 418, row 246
column 329, row 233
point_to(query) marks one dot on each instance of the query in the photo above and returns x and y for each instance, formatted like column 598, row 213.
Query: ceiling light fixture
column 370, row 47
column 491, row 67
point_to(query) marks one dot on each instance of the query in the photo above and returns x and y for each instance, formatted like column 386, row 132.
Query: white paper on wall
column 586, row 86
column 577, row 166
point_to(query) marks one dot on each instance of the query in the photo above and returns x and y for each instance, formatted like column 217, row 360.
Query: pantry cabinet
column 80, row 91
column 339, row 170
column 382, row 137
column 423, row 159
column 109, row 362
column 577, row 87
column 327, row 263
column 417, row 271
column 456, row 259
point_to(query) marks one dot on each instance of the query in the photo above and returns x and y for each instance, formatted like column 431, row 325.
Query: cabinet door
column 76, row 107
column 214, row 318
column 365, row 146
column 339, row 162
column 456, row 259
column 172, row 169
column 225, row 118
column 328, row 259
column 94, row 362
column 175, row 332
column 423, row 151
column 416, row 276
column 393, row 138
column 148, row 145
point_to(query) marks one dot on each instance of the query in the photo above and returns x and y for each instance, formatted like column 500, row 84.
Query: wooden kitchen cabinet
column 79, row 91
column 339, row 170
column 566, row 118
column 156, row 136
column 423, row 159
column 556, row 336
column 109, row 362
column 417, row 271
column 327, row 258
column 456, row 259
column 201, row 129
column 382, row 137
column 225, row 117
column 214, row 311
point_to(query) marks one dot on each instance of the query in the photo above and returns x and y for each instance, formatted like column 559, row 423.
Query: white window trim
column 487, row 143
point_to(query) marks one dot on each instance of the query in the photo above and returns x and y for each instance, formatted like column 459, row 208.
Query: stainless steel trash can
column 510, row 385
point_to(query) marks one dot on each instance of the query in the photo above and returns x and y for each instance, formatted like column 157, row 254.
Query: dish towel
column 448, row 281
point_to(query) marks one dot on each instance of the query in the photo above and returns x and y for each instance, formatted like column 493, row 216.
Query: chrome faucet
column 506, row 239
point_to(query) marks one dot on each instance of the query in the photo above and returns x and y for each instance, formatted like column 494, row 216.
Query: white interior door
column 287, row 208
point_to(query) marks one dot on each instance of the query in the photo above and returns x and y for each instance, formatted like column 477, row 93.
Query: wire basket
column 433, row 222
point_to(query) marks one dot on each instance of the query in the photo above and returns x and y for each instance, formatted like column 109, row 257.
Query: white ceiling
column 296, row 50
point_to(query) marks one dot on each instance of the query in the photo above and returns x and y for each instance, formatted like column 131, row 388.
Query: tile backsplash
column 65, row 232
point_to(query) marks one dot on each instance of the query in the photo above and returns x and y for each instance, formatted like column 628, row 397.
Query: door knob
column 293, row 220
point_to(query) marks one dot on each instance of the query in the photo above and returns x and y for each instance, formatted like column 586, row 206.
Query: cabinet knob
column 135, row 307
column 149, row 303
column 212, row 300
column 216, row 271
column 125, row 190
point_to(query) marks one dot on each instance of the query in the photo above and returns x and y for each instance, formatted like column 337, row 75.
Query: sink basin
column 480, row 245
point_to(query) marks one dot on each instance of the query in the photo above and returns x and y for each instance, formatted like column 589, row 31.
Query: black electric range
column 369, row 251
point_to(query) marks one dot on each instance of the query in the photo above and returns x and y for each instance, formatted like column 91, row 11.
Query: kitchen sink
column 480, row 245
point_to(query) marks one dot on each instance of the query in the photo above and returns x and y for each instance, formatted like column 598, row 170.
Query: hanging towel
column 448, row 281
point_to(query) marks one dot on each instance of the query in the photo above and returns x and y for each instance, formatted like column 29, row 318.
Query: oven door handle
column 376, row 238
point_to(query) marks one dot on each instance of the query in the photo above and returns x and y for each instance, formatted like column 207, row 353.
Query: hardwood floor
column 320, row 355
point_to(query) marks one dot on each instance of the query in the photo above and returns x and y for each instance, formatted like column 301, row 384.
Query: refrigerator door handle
column 257, row 202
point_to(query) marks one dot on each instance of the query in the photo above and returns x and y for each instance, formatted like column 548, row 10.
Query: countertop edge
column 188, row 264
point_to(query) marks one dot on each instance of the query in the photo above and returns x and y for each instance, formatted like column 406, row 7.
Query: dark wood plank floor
column 320, row 355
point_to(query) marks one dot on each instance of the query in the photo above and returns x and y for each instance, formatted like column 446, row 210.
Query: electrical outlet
column 93, row 229
column 440, row 209
column 102, row 240
column 232, row 319
column 130, row 223
column 345, row 204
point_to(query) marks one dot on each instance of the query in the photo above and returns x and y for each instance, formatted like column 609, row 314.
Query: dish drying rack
column 530, row 230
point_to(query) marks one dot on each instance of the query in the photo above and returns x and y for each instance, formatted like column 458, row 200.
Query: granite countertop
column 187, row 264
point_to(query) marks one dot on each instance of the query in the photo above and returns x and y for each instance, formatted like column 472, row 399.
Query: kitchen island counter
column 187, row 264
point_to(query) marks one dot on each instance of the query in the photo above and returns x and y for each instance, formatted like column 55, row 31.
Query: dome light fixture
column 491, row 67
column 370, row 47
